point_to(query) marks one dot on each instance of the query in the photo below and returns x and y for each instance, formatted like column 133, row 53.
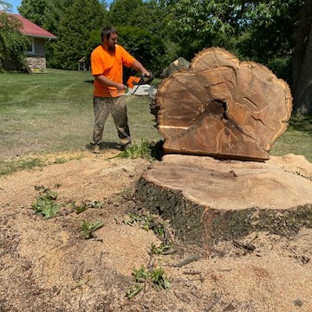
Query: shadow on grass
column 301, row 123
column 106, row 145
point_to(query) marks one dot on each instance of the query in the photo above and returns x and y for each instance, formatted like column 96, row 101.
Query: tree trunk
column 302, row 61
column 208, row 200
column 222, row 108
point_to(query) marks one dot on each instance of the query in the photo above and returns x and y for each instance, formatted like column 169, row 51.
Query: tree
column 44, row 13
column 145, row 47
column 74, row 30
column 12, row 44
column 196, row 24
column 34, row 10
column 153, row 17
column 302, row 61
column 143, row 22
column 246, row 28
column 124, row 12
column 5, row 6
column 53, row 13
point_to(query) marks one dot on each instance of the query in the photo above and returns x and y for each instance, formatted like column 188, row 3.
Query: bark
column 223, row 108
column 302, row 61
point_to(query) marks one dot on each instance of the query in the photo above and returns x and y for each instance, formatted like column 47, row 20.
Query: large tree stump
column 222, row 108
column 209, row 200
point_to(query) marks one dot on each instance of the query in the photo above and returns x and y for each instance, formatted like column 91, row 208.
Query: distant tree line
column 276, row 33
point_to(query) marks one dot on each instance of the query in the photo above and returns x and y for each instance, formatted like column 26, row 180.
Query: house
column 36, row 55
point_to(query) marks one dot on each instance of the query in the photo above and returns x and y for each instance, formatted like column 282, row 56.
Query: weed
column 126, row 193
column 148, row 222
column 159, row 278
column 133, row 291
column 155, row 277
column 46, row 203
column 79, row 208
column 141, row 275
column 87, row 228
column 94, row 204
column 138, row 151
column 160, row 249
column 131, row 219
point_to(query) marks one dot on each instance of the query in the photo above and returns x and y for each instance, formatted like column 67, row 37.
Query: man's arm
column 139, row 67
column 110, row 83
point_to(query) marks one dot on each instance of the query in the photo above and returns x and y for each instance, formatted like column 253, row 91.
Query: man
column 107, row 61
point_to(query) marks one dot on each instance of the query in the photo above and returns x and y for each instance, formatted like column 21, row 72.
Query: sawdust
column 46, row 265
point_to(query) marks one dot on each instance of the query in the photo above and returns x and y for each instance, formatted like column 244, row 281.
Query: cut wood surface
column 223, row 108
column 228, row 198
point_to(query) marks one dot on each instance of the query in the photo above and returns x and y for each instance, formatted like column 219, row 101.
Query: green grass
column 53, row 113
column 297, row 139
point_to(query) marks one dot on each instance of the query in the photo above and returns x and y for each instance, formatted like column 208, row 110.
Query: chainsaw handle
column 144, row 80
column 147, row 79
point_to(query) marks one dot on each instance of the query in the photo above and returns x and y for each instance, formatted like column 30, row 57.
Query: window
column 31, row 46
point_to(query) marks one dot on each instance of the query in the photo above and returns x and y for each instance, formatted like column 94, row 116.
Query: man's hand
column 110, row 83
column 147, row 73
column 121, row 87
column 148, row 78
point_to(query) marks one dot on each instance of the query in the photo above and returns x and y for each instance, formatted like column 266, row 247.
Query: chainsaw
column 143, row 81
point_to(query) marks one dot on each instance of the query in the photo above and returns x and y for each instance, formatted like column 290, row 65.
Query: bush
column 13, row 44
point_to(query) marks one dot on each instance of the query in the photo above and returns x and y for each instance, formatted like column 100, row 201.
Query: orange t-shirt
column 110, row 64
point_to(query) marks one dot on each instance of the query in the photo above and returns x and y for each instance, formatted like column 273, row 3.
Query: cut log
column 222, row 108
column 209, row 200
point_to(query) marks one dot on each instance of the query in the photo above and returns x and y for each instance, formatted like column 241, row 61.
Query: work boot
column 125, row 143
column 95, row 148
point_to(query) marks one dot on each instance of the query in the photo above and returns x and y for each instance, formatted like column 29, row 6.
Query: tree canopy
column 12, row 44
column 74, row 31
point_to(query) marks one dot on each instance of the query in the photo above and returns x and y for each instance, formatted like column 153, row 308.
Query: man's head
column 109, row 37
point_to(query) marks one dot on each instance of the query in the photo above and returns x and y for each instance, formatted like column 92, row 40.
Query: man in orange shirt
column 107, row 61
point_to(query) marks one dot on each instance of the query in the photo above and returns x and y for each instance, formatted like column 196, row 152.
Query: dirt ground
column 46, row 264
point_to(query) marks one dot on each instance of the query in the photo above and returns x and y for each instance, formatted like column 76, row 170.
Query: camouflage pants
column 116, row 106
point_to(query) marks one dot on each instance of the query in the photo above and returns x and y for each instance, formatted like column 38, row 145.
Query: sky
column 16, row 3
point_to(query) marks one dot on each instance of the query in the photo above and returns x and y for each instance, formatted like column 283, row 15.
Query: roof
column 33, row 30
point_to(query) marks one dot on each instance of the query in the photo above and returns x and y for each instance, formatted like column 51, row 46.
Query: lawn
column 297, row 139
column 53, row 113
